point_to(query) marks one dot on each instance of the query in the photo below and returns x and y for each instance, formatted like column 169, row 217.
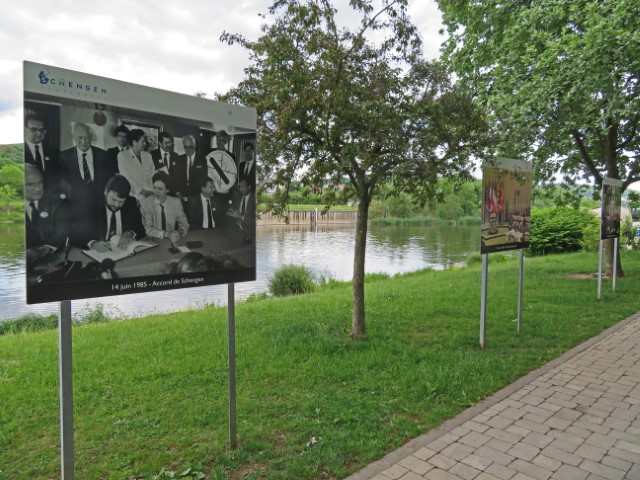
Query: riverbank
column 150, row 393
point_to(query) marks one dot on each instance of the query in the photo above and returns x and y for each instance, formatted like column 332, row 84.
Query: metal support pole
column 520, row 284
column 615, row 264
column 231, row 308
column 600, row 272
column 66, row 391
column 483, row 297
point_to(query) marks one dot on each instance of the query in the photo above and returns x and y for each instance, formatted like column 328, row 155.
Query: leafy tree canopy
column 360, row 103
column 561, row 78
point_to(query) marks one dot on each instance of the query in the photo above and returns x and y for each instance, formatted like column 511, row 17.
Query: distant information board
column 130, row 189
column 506, row 205
column 611, row 207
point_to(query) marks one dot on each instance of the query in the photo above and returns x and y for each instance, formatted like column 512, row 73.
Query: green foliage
column 291, row 280
column 558, row 230
column 628, row 237
column 334, row 103
column 560, row 77
column 34, row 322
column 13, row 175
column 152, row 392
column 13, row 153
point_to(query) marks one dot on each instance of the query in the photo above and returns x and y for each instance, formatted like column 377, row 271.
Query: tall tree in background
column 561, row 78
column 359, row 104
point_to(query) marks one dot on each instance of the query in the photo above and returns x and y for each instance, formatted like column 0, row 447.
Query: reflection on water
column 327, row 250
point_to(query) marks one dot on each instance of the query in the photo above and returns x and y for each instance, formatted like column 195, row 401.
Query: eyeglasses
column 35, row 129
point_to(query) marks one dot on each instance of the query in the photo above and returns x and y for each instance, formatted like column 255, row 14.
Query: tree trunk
column 608, row 256
column 358, row 330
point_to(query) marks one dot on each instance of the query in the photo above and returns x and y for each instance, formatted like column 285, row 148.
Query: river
column 326, row 250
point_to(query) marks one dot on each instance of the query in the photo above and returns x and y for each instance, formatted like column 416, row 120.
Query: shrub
column 559, row 230
column 291, row 280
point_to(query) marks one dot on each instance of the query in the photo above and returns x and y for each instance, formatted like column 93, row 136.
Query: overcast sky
column 170, row 45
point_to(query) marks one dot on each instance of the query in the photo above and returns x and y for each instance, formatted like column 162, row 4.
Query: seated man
column 118, row 214
column 243, row 208
column 163, row 215
column 46, row 220
column 204, row 209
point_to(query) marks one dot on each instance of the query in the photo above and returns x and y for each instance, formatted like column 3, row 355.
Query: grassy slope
column 152, row 392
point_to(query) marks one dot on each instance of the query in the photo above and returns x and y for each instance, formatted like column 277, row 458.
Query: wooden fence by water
column 310, row 217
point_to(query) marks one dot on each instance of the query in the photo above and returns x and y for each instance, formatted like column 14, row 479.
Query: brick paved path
column 577, row 418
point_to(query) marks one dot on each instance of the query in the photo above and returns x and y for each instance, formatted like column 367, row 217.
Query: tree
column 560, row 77
column 7, row 195
column 13, row 176
column 332, row 103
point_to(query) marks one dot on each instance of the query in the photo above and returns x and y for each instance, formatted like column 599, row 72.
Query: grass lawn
column 151, row 393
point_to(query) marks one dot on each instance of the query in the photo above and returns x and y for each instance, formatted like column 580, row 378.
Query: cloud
column 167, row 45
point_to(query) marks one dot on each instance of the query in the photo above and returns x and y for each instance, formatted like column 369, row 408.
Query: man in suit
column 204, row 210
column 188, row 171
column 43, row 157
column 163, row 215
column 117, row 214
column 84, row 167
column 247, row 167
column 121, row 141
column 243, row 208
column 46, row 220
column 164, row 155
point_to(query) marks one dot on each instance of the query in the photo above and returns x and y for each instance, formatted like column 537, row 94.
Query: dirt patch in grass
column 583, row 276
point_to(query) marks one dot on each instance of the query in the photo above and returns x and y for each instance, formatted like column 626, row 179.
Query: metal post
column 615, row 264
column 520, row 284
column 483, row 297
column 600, row 272
column 66, row 391
column 231, row 308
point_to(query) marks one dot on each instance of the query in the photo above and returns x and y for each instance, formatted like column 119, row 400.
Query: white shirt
column 205, row 214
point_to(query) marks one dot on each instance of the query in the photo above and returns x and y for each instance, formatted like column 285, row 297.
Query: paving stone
column 500, row 471
column 630, row 447
column 424, row 453
column 532, row 426
column 522, row 432
column 460, row 431
column 464, row 471
column 486, row 476
column 531, row 470
column 623, row 455
column 522, row 476
column 457, row 451
column 634, row 473
column 394, row 472
column 546, row 462
column 579, row 432
column 591, row 452
column 602, row 470
column 475, row 439
column 476, row 461
column 380, row 476
column 412, row 476
column 568, row 472
column 561, row 456
column 524, row 451
column 494, row 455
column 504, row 436
column 616, row 463
column 415, row 464
column 499, row 422
column 558, row 423
column 499, row 445
column 538, row 440
column 442, row 461
column 475, row 426
column 438, row 474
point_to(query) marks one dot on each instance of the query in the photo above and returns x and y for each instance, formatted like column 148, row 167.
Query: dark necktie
column 85, row 169
column 166, row 161
column 112, row 226
column 35, row 216
column 243, row 205
column 39, row 162
column 209, row 214
column 163, row 219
